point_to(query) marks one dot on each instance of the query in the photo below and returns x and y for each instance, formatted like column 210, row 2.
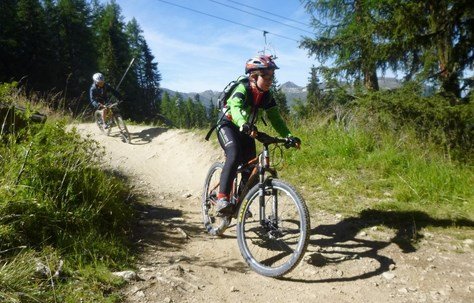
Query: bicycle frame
column 259, row 167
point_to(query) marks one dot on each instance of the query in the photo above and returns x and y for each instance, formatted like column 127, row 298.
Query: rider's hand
column 293, row 142
column 101, row 105
column 249, row 129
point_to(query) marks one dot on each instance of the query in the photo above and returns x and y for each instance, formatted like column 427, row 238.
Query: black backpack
column 225, row 94
column 223, row 97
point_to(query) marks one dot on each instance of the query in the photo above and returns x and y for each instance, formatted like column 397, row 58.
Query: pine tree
column 152, row 79
column 166, row 106
column 346, row 34
column 56, row 45
column 189, row 113
column 280, row 99
column 179, row 112
column 201, row 116
column 429, row 40
column 212, row 112
column 77, row 54
column 8, row 40
column 300, row 108
column 33, row 57
column 135, row 41
column 115, row 55
column 314, row 97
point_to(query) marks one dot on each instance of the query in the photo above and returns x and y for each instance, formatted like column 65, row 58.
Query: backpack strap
column 209, row 133
column 254, row 113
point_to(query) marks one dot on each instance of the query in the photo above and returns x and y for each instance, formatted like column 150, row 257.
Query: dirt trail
column 348, row 259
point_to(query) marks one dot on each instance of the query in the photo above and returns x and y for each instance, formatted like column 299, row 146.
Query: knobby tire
column 275, row 247
column 99, row 122
column 122, row 128
column 214, row 225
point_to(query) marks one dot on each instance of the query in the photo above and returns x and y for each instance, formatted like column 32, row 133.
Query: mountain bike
column 112, row 118
column 272, row 218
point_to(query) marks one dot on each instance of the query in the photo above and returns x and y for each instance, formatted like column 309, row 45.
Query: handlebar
column 266, row 139
column 110, row 105
column 113, row 104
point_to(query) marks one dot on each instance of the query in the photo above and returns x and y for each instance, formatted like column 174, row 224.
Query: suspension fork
column 274, row 203
column 264, row 165
column 261, row 193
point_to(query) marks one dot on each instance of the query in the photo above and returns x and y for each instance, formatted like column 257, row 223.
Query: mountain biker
column 236, row 130
column 98, row 94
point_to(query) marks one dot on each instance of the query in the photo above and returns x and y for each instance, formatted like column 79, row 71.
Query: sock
column 222, row 195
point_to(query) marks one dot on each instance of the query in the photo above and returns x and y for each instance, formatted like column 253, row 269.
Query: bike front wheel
column 122, row 128
column 100, row 123
column 273, row 228
column 214, row 224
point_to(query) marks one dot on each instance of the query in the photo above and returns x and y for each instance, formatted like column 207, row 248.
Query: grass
column 59, row 205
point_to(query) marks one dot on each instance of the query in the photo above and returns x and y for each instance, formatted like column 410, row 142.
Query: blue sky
column 196, row 52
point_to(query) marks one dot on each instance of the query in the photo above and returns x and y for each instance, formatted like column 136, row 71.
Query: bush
column 432, row 118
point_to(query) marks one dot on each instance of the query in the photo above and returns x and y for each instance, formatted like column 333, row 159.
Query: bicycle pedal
column 221, row 215
column 248, row 214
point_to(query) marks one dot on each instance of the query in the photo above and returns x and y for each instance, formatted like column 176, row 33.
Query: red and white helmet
column 260, row 62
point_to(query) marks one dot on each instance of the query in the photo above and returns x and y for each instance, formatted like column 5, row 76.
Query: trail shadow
column 330, row 242
column 408, row 225
column 157, row 229
column 161, row 228
column 147, row 135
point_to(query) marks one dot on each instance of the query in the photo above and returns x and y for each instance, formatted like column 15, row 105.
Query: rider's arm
column 236, row 103
column 273, row 114
column 92, row 96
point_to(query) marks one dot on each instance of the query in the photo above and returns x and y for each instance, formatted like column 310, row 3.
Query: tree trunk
column 440, row 26
column 370, row 80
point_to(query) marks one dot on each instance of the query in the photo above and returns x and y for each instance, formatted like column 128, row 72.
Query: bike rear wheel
column 214, row 224
column 122, row 128
column 273, row 241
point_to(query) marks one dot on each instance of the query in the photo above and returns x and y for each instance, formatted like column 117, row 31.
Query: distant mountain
column 389, row 83
column 291, row 90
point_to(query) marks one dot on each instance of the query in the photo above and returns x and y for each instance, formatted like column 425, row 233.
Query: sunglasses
column 267, row 76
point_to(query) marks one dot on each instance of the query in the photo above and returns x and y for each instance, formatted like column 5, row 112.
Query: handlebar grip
column 292, row 142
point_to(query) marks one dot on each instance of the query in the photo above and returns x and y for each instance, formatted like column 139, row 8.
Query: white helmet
column 98, row 77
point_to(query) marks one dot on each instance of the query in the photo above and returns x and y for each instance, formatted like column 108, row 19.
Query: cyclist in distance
column 236, row 130
column 99, row 94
